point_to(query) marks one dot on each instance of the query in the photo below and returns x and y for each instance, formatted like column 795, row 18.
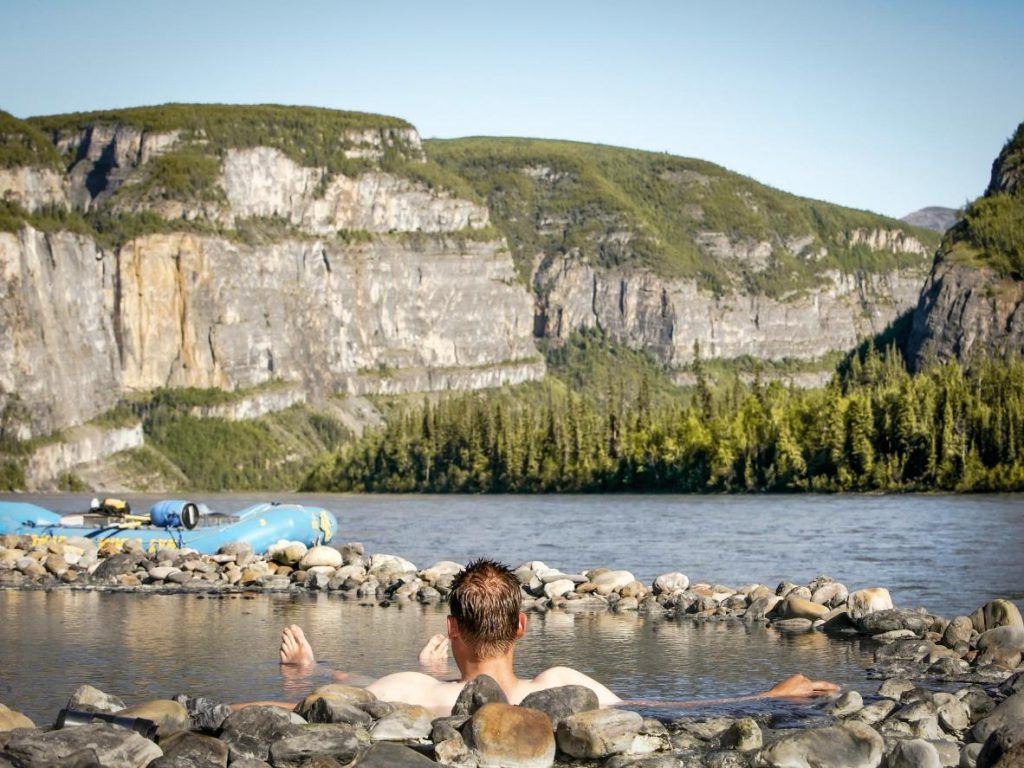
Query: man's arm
column 795, row 687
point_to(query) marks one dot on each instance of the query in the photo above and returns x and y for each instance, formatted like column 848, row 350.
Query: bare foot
column 435, row 651
column 295, row 649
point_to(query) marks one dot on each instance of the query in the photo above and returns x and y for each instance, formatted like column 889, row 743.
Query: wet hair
column 485, row 601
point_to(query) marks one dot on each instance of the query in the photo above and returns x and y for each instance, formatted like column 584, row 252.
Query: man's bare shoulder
column 417, row 688
column 554, row 677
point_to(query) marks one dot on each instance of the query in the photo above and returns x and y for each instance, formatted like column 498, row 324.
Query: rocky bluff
column 973, row 300
column 227, row 247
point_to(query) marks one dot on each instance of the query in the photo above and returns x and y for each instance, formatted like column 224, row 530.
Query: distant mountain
column 934, row 217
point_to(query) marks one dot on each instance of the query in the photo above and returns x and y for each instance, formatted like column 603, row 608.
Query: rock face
column 665, row 317
column 263, row 181
column 967, row 307
column 966, row 310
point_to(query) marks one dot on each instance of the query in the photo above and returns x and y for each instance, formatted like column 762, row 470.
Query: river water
column 948, row 553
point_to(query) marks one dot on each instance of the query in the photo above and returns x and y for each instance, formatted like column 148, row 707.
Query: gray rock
column 330, row 709
column 874, row 712
column 405, row 723
column 904, row 650
column 116, row 565
column 204, row 715
column 913, row 753
column 969, row 755
column 89, row 699
column 481, row 690
column 1004, row 748
column 744, row 735
column 1008, row 712
column 979, row 704
column 250, row 731
column 894, row 619
column 562, row 702
column 850, row 745
column 388, row 755
column 185, row 750
column 340, row 742
column 954, row 716
column 598, row 733
column 958, row 632
column 86, row 745
column 1002, row 645
column 847, row 704
column 1012, row 685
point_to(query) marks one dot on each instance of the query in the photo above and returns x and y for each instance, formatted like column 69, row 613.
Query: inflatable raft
column 173, row 524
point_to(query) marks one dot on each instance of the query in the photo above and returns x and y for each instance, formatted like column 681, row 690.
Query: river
column 947, row 553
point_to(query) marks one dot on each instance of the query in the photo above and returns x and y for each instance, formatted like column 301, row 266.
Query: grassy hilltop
column 623, row 207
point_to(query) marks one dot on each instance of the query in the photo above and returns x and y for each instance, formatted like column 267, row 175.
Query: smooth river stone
column 599, row 733
column 504, row 736
column 851, row 745
column 864, row 601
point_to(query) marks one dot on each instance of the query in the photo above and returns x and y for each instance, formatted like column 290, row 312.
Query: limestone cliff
column 414, row 294
column 973, row 300
column 666, row 317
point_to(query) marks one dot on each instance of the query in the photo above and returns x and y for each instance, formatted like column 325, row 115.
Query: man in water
column 484, row 625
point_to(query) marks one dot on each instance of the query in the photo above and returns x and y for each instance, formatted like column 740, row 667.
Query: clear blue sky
column 886, row 106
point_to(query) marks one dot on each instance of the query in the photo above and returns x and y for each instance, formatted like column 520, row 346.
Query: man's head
column 485, row 603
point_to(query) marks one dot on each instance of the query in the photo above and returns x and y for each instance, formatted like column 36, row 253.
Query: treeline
column 874, row 427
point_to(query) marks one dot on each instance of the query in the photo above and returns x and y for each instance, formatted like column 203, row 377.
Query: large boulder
column 9, row 720
column 504, row 736
column 1004, row 748
column 97, row 744
column 850, row 745
column 864, row 601
column 342, row 743
column 598, row 733
column 562, row 702
column 249, row 732
column 1009, row 712
column 997, row 613
column 89, row 699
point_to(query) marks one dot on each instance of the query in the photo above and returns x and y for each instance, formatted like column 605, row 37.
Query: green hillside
column 624, row 207
column 992, row 230
column 23, row 144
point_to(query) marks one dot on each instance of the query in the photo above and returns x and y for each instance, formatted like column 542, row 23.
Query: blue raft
column 259, row 525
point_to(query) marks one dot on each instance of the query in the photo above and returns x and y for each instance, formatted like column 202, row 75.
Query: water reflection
column 152, row 646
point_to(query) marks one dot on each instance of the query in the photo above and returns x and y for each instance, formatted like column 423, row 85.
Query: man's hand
column 800, row 687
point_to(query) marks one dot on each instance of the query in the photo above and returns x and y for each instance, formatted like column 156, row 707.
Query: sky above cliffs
column 884, row 106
